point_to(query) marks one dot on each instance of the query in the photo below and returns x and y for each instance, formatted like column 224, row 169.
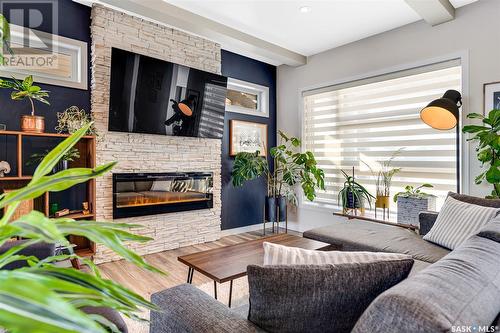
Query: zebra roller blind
column 369, row 120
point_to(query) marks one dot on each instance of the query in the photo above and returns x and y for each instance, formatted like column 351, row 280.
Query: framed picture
column 491, row 97
column 246, row 136
column 247, row 98
column 51, row 59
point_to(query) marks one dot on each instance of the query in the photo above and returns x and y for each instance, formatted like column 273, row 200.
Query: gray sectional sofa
column 446, row 290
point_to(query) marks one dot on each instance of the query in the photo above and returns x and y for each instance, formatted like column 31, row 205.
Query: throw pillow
column 457, row 221
column 275, row 254
column 491, row 230
column 318, row 298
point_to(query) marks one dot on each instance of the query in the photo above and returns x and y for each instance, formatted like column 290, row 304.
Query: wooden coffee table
column 230, row 262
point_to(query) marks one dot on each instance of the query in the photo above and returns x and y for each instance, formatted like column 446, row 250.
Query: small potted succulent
column 26, row 89
column 412, row 201
column 353, row 195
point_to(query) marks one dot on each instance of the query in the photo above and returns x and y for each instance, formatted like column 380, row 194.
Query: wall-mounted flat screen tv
column 149, row 95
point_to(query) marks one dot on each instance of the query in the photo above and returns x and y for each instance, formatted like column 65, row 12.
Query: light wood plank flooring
column 146, row 283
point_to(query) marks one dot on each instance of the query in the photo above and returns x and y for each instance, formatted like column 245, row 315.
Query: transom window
column 366, row 122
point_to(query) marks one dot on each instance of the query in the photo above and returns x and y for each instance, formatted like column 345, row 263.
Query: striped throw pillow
column 275, row 254
column 457, row 221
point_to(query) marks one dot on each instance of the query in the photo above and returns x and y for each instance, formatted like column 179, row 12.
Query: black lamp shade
column 443, row 113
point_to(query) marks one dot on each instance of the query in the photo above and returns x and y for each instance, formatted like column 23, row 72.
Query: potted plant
column 353, row 195
column 26, row 89
column 383, row 180
column 488, row 150
column 412, row 201
column 72, row 119
column 63, row 164
column 291, row 168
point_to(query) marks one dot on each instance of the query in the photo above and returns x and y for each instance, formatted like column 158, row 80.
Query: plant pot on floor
column 281, row 203
column 410, row 207
column 270, row 209
column 32, row 124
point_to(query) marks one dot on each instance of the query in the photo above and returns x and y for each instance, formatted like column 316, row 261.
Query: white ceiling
column 330, row 23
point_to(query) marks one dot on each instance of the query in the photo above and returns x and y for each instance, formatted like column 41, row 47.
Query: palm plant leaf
column 53, row 157
column 27, row 305
column 44, row 297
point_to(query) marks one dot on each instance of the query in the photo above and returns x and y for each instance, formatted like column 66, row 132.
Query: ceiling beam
column 433, row 12
column 230, row 39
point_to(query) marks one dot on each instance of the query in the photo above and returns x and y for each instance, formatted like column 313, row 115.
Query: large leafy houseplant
column 291, row 168
column 488, row 149
column 353, row 195
column 43, row 296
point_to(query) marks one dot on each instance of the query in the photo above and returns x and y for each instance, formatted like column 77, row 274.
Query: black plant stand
column 276, row 222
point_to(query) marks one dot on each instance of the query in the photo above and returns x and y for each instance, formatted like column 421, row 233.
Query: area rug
column 240, row 297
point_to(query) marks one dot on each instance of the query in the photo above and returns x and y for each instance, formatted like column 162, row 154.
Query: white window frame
column 462, row 56
column 262, row 93
column 76, row 49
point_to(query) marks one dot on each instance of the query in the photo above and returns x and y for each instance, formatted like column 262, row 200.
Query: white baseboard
column 241, row 230
column 294, row 226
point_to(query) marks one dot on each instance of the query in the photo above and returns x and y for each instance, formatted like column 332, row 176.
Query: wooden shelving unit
column 86, row 147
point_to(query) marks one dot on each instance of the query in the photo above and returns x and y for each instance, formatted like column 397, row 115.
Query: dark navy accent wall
column 244, row 206
column 73, row 22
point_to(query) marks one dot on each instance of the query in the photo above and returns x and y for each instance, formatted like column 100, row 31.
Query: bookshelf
column 20, row 175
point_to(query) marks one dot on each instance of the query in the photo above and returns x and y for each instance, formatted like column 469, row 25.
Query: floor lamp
column 443, row 114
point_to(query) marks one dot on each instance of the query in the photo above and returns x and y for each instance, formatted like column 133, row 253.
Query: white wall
column 474, row 33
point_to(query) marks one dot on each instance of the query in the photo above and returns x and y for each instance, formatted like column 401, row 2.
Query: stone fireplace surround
column 151, row 153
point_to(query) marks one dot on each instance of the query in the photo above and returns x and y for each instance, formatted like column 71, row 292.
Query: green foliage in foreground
column 44, row 297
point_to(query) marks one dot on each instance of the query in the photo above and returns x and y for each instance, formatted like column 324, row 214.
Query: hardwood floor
column 146, row 283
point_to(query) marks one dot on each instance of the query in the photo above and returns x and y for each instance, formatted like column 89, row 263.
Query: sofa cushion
column 457, row 221
column 494, row 203
column 110, row 314
column 318, row 298
column 185, row 308
column 462, row 289
column 357, row 235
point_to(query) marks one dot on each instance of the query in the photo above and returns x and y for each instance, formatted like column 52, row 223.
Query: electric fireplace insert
column 138, row 194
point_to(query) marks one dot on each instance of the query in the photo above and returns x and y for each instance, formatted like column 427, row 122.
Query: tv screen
column 149, row 95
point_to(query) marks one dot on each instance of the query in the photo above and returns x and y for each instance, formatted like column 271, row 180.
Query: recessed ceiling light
column 305, row 9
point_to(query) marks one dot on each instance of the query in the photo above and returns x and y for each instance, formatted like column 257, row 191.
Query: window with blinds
column 366, row 122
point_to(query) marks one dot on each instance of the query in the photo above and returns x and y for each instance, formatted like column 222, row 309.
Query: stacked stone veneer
column 151, row 153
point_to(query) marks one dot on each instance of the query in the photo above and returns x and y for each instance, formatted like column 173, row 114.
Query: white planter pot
column 410, row 207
